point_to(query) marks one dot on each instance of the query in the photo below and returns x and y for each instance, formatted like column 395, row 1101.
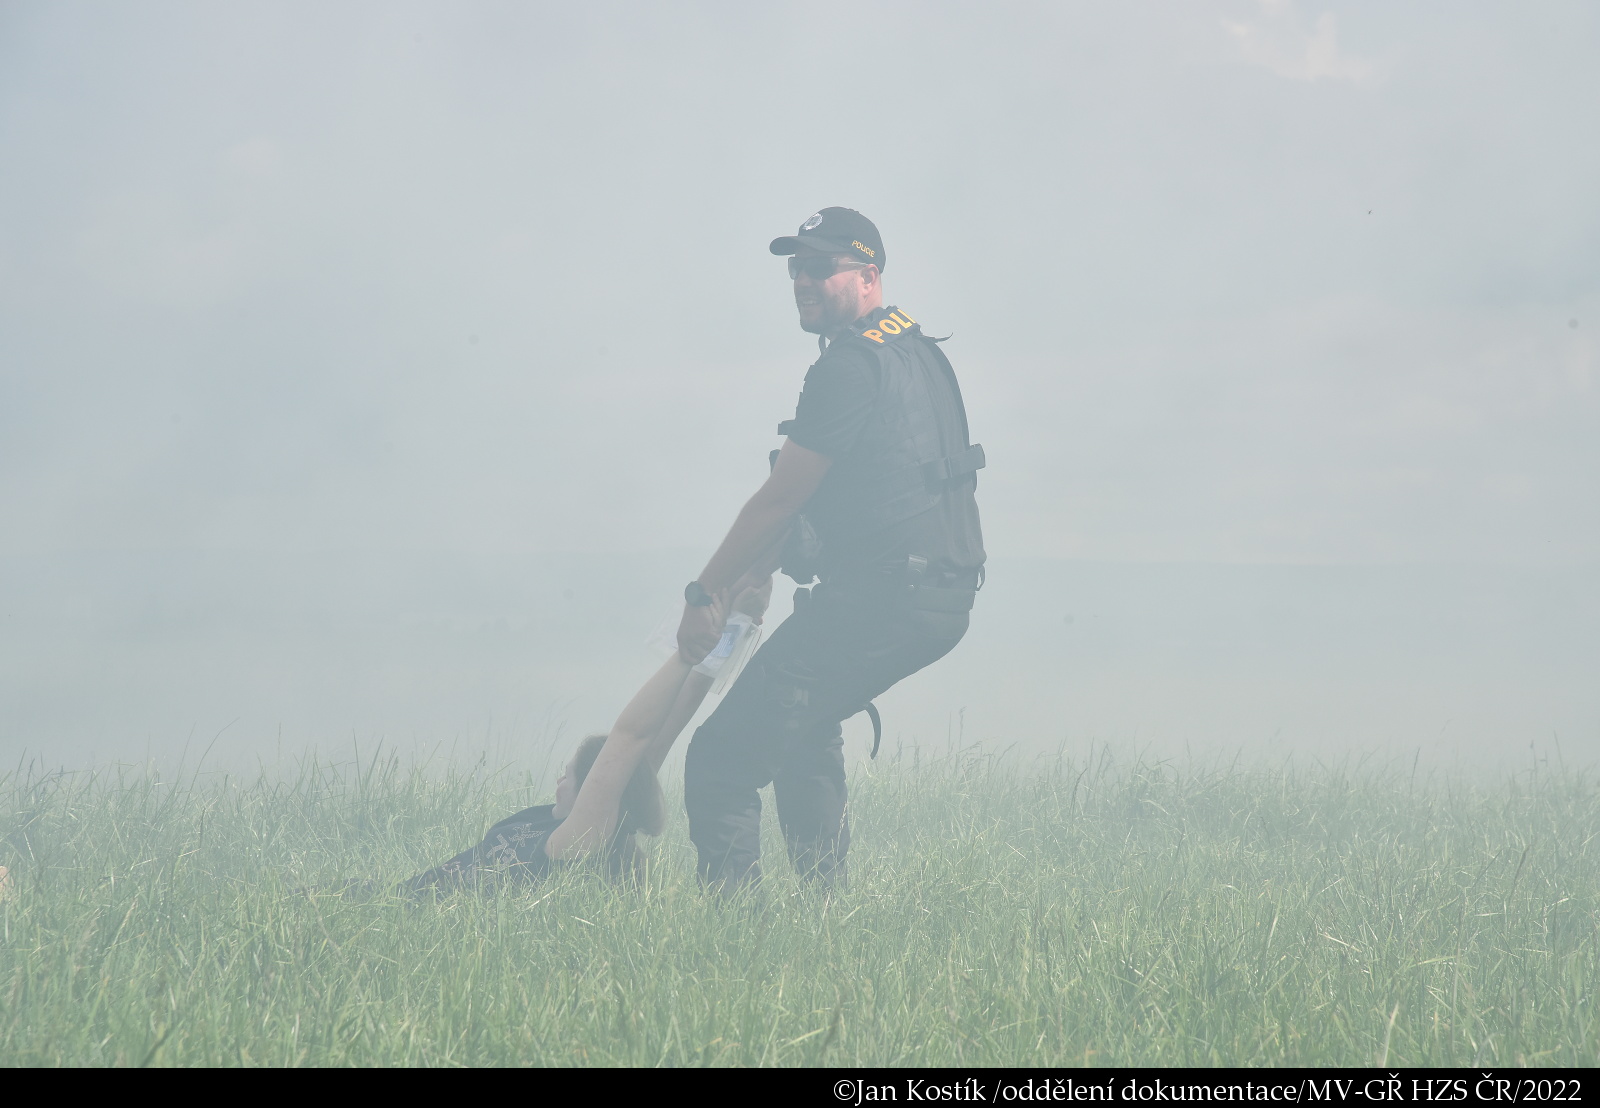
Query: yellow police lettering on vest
column 890, row 326
column 865, row 249
column 903, row 319
column 875, row 336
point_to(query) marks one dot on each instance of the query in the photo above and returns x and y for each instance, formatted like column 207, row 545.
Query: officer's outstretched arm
column 767, row 516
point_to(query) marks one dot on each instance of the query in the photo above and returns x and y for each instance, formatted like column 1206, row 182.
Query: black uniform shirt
column 834, row 408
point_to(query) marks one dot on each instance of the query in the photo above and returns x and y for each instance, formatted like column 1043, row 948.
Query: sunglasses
column 820, row 269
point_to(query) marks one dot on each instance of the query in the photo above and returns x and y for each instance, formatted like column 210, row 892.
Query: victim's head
column 642, row 807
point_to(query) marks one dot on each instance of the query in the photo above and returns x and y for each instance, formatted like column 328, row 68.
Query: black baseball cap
column 836, row 231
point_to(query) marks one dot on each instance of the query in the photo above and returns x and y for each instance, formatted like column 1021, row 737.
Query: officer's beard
column 835, row 310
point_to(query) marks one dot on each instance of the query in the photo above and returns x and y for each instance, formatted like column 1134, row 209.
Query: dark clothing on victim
column 511, row 852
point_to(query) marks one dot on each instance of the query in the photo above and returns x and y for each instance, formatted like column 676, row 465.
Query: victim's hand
column 700, row 630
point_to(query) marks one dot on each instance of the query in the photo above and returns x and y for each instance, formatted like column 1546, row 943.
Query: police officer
column 873, row 491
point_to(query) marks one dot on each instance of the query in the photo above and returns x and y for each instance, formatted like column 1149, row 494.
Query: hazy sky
column 1234, row 281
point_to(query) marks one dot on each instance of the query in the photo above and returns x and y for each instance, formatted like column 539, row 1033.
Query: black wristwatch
column 696, row 596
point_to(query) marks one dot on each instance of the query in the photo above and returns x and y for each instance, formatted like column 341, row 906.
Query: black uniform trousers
column 780, row 723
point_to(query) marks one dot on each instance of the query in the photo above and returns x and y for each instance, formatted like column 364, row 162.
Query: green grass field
column 1001, row 912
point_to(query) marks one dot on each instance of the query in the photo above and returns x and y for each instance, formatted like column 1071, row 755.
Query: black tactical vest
column 915, row 448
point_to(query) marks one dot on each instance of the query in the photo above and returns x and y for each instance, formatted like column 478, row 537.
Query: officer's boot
column 821, row 865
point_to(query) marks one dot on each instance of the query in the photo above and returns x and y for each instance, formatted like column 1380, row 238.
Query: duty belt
column 912, row 573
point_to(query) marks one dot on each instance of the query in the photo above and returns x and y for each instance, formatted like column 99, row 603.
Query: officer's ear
column 870, row 275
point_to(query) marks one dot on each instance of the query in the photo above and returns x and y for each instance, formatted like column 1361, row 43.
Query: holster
column 802, row 552
column 801, row 559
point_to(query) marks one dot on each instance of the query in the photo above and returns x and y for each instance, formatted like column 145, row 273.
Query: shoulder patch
column 892, row 323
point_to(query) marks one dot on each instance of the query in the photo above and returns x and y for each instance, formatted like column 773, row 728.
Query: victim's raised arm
column 593, row 819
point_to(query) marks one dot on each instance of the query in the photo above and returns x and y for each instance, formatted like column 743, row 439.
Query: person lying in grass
column 608, row 794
